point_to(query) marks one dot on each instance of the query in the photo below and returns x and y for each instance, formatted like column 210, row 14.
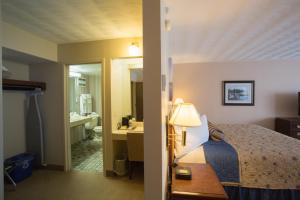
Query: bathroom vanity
column 119, row 138
column 79, row 120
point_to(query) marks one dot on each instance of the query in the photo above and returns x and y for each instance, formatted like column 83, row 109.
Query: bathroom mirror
column 136, row 79
column 126, row 89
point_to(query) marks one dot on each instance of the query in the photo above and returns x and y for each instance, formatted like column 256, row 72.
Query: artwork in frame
column 238, row 93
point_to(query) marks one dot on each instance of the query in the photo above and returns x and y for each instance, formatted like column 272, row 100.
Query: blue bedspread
column 224, row 160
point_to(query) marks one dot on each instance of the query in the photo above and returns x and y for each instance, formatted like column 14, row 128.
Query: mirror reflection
column 126, row 92
column 136, row 82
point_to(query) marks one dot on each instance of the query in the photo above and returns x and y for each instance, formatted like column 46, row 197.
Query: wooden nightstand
column 204, row 185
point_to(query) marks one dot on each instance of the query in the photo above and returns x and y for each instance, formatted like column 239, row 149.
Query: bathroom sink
column 78, row 120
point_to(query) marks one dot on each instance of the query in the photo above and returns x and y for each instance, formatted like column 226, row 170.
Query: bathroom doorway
column 85, row 108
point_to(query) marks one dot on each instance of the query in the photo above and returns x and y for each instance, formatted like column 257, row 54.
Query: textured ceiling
column 234, row 30
column 66, row 21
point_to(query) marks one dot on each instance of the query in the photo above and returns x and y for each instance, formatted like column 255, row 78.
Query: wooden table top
column 204, row 184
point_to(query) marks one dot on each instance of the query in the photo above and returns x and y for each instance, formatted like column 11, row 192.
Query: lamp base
column 183, row 139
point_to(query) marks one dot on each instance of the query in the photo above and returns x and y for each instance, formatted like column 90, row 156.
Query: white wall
column 73, row 101
column 14, row 111
column 1, row 116
column 120, row 91
column 52, row 105
column 96, row 91
column 155, row 100
column 276, row 90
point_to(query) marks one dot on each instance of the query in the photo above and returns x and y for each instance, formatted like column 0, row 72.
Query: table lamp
column 185, row 115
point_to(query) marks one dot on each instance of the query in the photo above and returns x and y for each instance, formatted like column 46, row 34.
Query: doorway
column 127, row 116
column 85, row 111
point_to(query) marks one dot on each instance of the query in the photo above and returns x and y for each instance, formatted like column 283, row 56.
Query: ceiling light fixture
column 74, row 74
column 134, row 49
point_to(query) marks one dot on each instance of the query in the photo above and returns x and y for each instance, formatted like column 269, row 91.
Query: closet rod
column 11, row 84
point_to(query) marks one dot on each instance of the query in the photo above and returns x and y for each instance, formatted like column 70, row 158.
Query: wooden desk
column 119, row 138
column 204, row 185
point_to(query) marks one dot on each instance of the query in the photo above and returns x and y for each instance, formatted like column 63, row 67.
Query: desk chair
column 135, row 146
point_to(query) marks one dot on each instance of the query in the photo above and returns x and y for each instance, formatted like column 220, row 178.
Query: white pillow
column 195, row 136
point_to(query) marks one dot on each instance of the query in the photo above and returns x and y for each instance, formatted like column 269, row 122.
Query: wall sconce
column 134, row 49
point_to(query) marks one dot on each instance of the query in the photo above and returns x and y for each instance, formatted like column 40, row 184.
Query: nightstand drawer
column 295, row 125
column 288, row 126
column 295, row 134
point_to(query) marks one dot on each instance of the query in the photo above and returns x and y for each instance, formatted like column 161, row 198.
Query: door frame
column 67, row 139
column 110, row 129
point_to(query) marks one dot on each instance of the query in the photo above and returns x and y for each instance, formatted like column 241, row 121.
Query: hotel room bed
column 252, row 162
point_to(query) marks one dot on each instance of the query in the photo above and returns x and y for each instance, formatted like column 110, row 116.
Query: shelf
column 10, row 84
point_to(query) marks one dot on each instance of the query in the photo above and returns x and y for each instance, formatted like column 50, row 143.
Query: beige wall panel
column 52, row 106
column 276, row 90
column 19, row 40
column 14, row 111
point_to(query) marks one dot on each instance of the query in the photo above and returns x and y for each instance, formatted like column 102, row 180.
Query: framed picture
column 238, row 93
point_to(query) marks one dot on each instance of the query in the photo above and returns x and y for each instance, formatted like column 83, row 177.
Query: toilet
column 92, row 125
column 98, row 130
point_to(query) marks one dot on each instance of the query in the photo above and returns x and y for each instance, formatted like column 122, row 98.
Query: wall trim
column 110, row 173
column 53, row 167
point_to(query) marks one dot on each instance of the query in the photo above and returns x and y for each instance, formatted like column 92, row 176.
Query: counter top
column 122, row 134
column 79, row 120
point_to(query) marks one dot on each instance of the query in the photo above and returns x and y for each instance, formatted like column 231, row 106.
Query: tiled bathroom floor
column 87, row 155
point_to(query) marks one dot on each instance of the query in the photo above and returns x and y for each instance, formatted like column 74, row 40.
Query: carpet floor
column 50, row 185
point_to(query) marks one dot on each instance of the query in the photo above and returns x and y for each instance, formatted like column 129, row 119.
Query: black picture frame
column 236, row 88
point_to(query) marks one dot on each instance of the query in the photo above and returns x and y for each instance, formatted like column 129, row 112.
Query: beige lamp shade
column 178, row 101
column 185, row 115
